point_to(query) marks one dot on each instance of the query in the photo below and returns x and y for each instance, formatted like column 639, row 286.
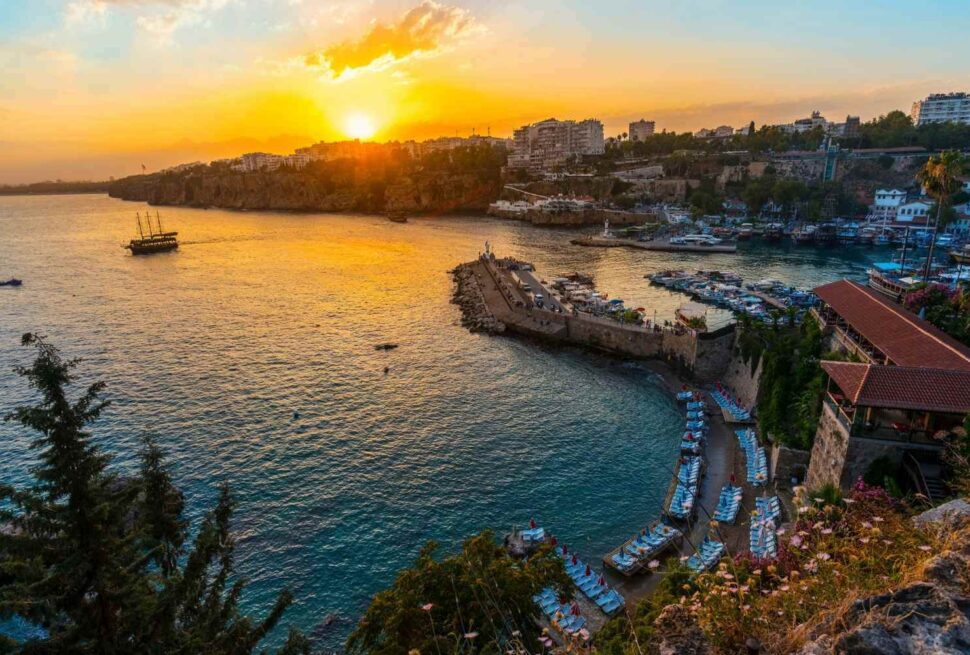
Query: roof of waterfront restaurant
column 904, row 337
column 902, row 387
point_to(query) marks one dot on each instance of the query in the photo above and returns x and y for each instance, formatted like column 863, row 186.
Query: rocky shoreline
column 475, row 315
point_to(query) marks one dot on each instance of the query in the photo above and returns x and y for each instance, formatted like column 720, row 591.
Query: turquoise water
column 260, row 315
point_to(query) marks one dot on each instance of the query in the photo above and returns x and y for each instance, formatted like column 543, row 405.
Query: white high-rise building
column 552, row 143
column 942, row 108
column 641, row 129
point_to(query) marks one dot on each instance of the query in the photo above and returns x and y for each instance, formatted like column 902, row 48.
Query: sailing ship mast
column 141, row 233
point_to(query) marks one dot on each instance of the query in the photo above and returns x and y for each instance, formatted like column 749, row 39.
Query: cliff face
column 432, row 192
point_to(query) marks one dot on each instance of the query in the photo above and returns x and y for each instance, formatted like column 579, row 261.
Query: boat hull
column 151, row 249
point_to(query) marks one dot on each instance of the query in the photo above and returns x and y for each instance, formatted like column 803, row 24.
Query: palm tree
column 939, row 177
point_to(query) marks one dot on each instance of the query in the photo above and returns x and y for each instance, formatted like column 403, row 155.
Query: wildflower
column 743, row 589
column 781, row 613
column 471, row 635
column 827, row 531
column 864, row 540
column 803, row 510
column 654, row 564
column 745, row 608
column 848, row 501
column 819, row 500
column 866, row 524
column 784, row 587
column 877, row 519
column 888, row 542
column 796, row 541
column 824, row 556
column 926, row 548
column 780, row 531
column 756, row 572
column 684, row 558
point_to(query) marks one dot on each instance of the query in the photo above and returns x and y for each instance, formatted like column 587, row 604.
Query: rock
column 951, row 515
column 677, row 633
column 928, row 616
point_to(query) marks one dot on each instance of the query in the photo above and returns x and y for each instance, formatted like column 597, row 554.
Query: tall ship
column 157, row 240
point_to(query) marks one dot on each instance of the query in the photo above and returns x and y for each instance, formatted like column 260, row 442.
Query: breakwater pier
column 508, row 295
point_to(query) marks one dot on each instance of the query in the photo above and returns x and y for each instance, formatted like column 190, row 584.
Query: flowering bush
column 831, row 555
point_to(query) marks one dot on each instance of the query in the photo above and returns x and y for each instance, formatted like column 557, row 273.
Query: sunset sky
column 94, row 88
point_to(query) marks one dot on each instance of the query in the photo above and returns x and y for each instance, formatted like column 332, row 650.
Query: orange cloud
column 423, row 30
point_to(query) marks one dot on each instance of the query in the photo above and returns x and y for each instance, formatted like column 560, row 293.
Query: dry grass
column 831, row 556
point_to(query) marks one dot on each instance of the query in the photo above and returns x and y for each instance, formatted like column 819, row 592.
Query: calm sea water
column 249, row 355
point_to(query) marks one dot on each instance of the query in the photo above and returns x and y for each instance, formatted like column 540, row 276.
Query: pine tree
column 98, row 561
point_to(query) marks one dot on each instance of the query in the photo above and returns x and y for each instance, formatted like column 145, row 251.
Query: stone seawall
column 702, row 356
column 468, row 295
column 742, row 381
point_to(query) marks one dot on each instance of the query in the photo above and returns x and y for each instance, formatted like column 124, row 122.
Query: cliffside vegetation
column 792, row 382
column 100, row 563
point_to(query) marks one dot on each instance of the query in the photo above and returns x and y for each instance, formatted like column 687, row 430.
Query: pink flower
column 827, row 531
column 926, row 548
column 427, row 607
column 864, row 540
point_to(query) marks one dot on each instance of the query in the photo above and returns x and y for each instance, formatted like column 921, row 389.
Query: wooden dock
column 658, row 245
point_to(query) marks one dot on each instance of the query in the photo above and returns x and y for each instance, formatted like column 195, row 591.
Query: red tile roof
column 902, row 387
column 904, row 337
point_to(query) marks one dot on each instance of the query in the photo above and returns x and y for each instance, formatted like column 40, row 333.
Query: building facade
column 552, row 144
column 640, row 130
column 885, row 204
column 942, row 108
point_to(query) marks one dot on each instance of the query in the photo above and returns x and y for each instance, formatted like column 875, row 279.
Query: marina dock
column 657, row 245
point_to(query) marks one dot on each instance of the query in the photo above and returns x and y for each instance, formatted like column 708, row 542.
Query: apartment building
column 641, row 129
column 942, row 108
column 552, row 143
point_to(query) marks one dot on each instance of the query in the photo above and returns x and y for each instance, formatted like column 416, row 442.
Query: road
column 528, row 277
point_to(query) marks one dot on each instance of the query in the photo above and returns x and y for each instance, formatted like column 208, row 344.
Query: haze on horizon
column 95, row 88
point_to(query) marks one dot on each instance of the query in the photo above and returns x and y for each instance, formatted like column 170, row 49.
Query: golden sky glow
column 93, row 88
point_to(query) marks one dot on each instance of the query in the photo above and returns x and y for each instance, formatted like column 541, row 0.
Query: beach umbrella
column 588, row 571
column 532, row 524
column 575, row 560
column 602, row 580
column 732, row 479
column 553, row 540
column 565, row 551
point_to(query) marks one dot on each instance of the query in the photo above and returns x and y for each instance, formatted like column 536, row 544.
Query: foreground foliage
column 834, row 553
column 479, row 599
column 99, row 561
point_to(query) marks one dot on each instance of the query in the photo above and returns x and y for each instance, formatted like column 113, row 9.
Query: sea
column 249, row 355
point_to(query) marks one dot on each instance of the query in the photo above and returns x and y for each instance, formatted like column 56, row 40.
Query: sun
column 359, row 126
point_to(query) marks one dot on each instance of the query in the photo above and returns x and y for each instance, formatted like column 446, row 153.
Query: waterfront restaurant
column 861, row 322
column 909, row 387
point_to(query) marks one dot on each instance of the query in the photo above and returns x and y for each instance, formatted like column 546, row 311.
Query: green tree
column 940, row 177
column 480, row 599
column 94, row 558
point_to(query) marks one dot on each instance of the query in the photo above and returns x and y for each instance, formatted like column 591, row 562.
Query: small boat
column 805, row 234
column 774, row 231
column 385, row 346
column 12, row 282
column 961, row 256
column 397, row 217
column 157, row 239
column 745, row 232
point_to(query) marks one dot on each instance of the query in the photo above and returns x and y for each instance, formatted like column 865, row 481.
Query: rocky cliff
column 293, row 190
